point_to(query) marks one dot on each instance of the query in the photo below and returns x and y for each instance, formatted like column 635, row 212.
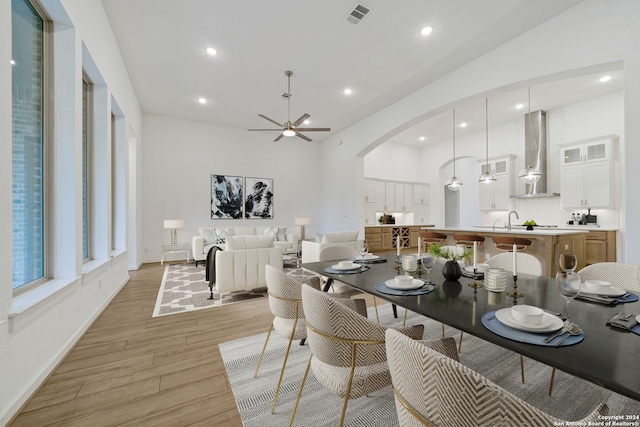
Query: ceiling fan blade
column 262, row 130
column 306, row 138
column 271, row 120
column 278, row 138
column 314, row 129
column 302, row 118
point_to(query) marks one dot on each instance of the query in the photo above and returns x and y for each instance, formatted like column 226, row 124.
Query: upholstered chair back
column 337, row 252
column 620, row 275
column 527, row 263
column 431, row 387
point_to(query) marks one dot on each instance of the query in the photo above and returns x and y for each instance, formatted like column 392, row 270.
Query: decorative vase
column 451, row 270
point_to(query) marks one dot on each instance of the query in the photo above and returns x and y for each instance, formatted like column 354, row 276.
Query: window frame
column 87, row 159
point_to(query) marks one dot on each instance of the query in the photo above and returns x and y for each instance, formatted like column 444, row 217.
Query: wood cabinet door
column 596, row 251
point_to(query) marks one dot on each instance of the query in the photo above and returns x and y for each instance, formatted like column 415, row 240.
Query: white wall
column 179, row 156
column 582, row 39
column 39, row 327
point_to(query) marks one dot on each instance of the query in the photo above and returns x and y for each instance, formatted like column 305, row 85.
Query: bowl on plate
column 403, row 281
column 598, row 286
column 345, row 265
column 527, row 314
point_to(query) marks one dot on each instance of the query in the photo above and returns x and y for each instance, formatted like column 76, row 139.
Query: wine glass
column 568, row 262
column 568, row 284
column 363, row 249
column 428, row 261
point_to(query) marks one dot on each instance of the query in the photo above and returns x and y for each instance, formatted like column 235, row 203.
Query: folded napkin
column 382, row 288
column 369, row 260
column 597, row 300
column 623, row 321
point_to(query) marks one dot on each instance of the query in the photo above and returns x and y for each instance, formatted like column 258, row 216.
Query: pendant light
column 530, row 174
column 487, row 177
column 454, row 183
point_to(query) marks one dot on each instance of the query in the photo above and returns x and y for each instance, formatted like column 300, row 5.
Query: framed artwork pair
column 235, row 197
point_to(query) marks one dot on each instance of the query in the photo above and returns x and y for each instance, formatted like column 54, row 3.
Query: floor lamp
column 173, row 225
column 302, row 222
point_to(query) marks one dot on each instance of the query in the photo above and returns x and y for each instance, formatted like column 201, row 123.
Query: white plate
column 417, row 283
column 368, row 257
column 549, row 323
column 611, row 292
column 353, row 267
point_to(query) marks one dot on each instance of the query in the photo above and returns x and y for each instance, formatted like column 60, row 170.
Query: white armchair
column 241, row 265
column 311, row 250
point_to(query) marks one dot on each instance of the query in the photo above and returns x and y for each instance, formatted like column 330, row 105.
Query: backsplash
column 547, row 211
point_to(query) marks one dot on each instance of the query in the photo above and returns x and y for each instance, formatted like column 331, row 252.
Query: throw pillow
column 273, row 232
column 222, row 234
column 209, row 236
column 282, row 234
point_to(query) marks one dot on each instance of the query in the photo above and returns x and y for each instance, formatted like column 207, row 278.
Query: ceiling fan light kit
column 290, row 128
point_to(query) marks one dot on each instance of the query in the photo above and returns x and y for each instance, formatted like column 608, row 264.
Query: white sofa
column 241, row 265
column 311, row 250
column 216, row 236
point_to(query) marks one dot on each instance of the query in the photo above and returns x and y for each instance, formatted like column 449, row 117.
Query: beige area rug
column 184, row 289
column 572, row 397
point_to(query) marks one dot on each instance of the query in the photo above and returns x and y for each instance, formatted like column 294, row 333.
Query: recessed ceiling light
column 422, row 138
column 426, row 31
column 202, row 100
column 13, row 62
column 519, row 106
column 463, row 124
column 605, row 79
column 306, row 122
column 211, row 51
column 348, row 91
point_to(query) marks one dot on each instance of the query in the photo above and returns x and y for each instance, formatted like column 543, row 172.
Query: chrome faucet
column 494, row 224
column 509, row 219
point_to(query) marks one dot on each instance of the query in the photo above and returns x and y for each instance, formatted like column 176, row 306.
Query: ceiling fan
column 291, row 128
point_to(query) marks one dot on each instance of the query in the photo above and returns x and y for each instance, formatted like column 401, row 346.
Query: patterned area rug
column 184, row 289
column 572, row 398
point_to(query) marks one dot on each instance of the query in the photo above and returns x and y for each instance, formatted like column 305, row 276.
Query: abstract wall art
column 259, row 198
column 226, row 197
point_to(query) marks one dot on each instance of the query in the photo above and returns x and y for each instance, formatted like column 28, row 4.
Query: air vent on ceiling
column 285, row 95
column 357, row 14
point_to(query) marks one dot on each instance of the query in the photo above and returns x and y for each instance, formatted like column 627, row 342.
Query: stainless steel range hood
column 535, row 154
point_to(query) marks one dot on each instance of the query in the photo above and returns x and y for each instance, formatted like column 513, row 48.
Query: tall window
column 29, row 166
column 86, row 168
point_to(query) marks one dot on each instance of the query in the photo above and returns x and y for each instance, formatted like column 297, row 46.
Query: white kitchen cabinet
column 402, row 197
column 370, row 214
column 380, row 203
column 420, row 214
column 369, row 191
column 585, row 175
column 496, row 195
column 421, row 194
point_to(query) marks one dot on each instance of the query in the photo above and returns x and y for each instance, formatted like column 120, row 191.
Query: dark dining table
column 607, row 357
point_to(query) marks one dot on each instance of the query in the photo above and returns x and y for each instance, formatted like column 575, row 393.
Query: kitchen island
column 546, row 243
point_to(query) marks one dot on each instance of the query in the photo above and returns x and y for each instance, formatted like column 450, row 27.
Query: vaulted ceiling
column 381, row 59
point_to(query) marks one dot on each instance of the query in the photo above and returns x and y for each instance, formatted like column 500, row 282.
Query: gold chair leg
column 460, row 344
column 522, row 368
column 284, row 364
column 348, row 391
column 375, row 306
column 404, row 322
column 553, row 375
column 443, row 330
column 263, row 349
column 304, row 379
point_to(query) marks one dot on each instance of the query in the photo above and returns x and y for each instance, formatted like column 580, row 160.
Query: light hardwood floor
column 132, row 369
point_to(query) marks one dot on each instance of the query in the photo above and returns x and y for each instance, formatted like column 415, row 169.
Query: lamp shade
column 302, row 221
column 173, row 223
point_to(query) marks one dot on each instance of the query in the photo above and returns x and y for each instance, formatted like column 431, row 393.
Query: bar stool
column 430, row 237
column 505, row 243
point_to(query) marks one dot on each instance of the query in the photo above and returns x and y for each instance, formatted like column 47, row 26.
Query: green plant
column 438, row 251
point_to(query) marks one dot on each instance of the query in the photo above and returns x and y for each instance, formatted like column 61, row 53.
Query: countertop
column 514, row 230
